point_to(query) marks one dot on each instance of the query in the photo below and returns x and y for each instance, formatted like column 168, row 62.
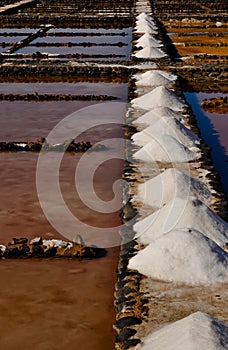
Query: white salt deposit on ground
column 159, row 97
column 166, row 149
column 170, row 184
column 196, row 331
column 184, row 212
column 168, row 126
column 147, row 37
column 149, row 118
column 150, row 52
column 49, row 243
column 182, row 256
column 2, row 248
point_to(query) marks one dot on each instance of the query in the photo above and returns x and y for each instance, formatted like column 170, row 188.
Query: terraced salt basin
column 27, row 121
column 63, row 285
column 104, row 42
column 214, row 129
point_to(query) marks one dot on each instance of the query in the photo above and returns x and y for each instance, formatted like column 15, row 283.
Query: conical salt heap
column 196, row 331
column 168, row 126
column 146, row 39
column 167, row 149
column 184, row 212
column 169, row 184
column 151, row 117
column 182, row 256
column 159, row 97
column 150, row 52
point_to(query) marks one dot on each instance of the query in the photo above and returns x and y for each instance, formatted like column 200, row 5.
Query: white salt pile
column 170, row 184
column 150, row 52
column 189, row 213
column 145, row 27
column 159, row 97
column 143, row 15
column 147, row 20
column 148, row 43
column 166, row 149
column 168, row 126
column 153, row 79
column 149, row 118
column 182, row 256
column 196, row 331
column 148, row 38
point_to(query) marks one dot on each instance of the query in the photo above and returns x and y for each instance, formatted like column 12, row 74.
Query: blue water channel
column 214, row 131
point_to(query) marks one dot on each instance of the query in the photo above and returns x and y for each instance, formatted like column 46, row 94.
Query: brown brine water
column 55, row 303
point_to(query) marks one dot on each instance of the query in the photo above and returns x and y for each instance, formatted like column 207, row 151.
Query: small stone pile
column 53, row 248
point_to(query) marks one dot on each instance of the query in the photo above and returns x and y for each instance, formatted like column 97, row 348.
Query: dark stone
column 125, row 334
column 38, row 251
column 51, row 252
column 124, row 291
column 20, row 240
column 128, row 212
column 127, row 321
column 94, row 252
column 24, row 250
column 120, row 284
column 125, row 304
column 12, row 252
column 123, row 299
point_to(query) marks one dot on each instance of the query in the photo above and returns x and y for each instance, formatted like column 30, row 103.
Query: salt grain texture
column 169, row 184
column 168, row 126
column 148, row 38
column 150, row 52
column 182, row 256
column 145, row 28
column 196, row 331
column 184, row 212
column 149, row 118
column 166, row 149
column 153, row 79
column 159, row 97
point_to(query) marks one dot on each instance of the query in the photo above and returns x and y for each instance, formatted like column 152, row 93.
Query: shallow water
column 27, row 121
column 214, row 131
column 64, row 50
column 11, row 39
column 83, row 39
column 57, row 304
column 73, row 88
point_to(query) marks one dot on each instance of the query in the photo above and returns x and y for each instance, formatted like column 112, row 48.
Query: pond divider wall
column 131, row 303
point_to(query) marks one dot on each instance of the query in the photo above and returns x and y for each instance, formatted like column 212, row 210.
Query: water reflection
column 214, row 130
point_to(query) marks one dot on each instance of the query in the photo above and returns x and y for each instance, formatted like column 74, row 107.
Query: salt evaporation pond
column 78, row 290
column 27, row 121
column 106, row 36
column 214, row 131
